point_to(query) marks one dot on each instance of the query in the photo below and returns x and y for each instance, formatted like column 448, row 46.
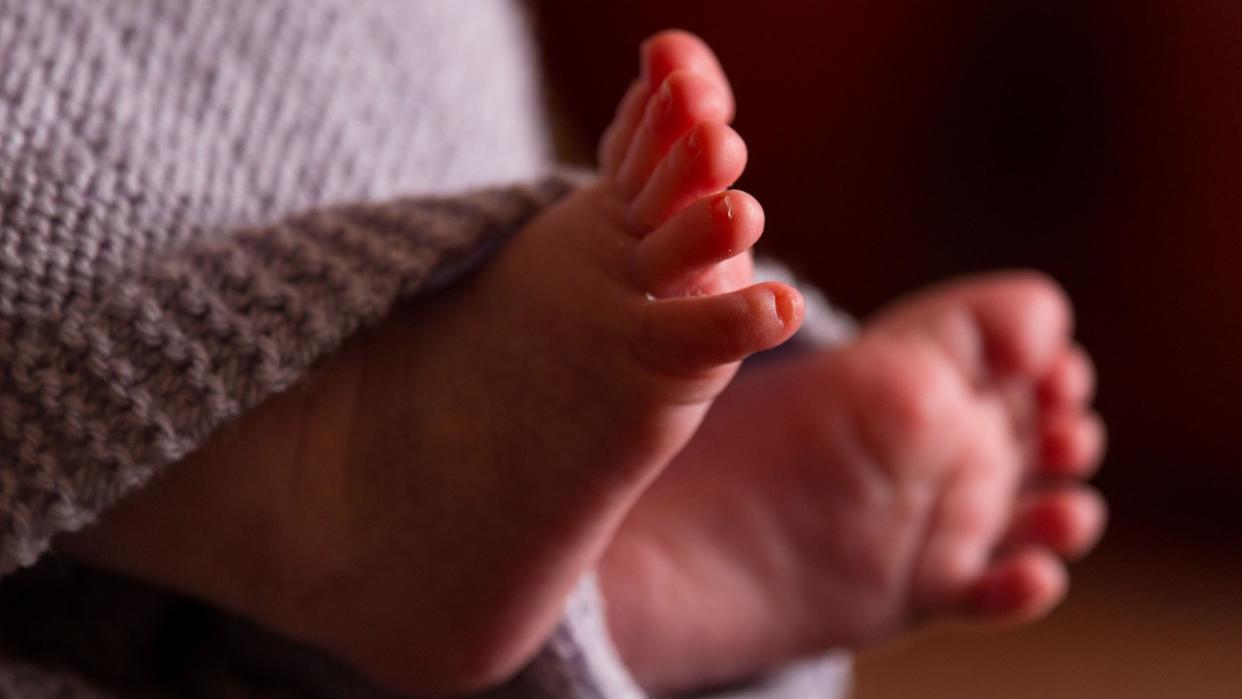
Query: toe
column 709, row 231
column 1025, row 320
column 1071, row 444
column 1070, row 381
column 615, row 142
column 1011, row 324
column 687, row 336
column 1018, row 588
column 662, row 55
column 675, row 49
column 1066, row 520
column 682, row 100
column 708, row 159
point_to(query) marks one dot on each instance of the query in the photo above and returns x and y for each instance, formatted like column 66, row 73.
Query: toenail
column 665, row 99
column 722, row 209
column 787, row 307
column 693, row 145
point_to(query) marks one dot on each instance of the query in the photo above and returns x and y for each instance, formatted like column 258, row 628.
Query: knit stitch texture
column 198, row 199
column 156, row 278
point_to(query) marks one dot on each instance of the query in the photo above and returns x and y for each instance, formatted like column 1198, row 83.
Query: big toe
column 692, row 335
column 997, row 326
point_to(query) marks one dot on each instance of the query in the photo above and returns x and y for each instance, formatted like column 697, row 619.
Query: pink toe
column 683, row 100
column 1020, row 588
column 615, row 142
column 674, row 49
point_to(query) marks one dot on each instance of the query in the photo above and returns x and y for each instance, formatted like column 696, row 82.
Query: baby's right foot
column 929, row 469
column 424, row 505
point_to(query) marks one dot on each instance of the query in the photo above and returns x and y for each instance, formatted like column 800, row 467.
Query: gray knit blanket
column 200, row 198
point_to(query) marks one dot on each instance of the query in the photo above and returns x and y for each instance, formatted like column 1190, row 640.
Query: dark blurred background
column 896, row 144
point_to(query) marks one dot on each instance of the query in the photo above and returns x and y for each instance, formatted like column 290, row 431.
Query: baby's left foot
column 423, row 505
column 929, row 469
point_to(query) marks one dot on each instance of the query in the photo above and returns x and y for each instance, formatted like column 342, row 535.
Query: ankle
column 223, row 523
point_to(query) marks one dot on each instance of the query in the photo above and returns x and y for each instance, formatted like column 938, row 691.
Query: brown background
column 894, row 144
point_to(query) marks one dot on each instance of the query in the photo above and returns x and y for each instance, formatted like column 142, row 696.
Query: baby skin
column 424, row 502
column 930, row 469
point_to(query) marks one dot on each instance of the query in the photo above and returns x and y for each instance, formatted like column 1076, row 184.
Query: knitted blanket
column 199, row 199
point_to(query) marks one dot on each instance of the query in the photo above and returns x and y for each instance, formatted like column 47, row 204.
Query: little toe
column 674, row 49
column 615, row 142
column 688, row 336
column 1067, row 520
column 682, row 100
column 1021, row 587
column 661, row 55
column 708, row 159
column 1070, row 381
column 1071, row 444
column 709, row 231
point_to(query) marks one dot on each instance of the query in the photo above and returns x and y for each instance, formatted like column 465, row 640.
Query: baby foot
column 425, row 504
column 932, row 468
